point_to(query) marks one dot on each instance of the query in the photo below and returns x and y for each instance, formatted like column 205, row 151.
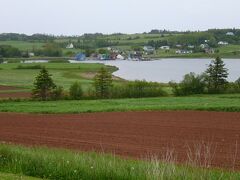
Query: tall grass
column 62, row 164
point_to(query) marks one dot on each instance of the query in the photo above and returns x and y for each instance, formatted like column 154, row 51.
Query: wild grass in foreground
column 6, row 176
column 229, row 103
column 62, row 164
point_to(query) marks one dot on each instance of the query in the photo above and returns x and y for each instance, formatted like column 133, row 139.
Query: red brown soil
column 14, row 95
column 132, row 134
column 6, row 88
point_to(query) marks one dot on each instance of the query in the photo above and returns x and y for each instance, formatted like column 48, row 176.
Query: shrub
column 37, row 66
column 191, row 84
column 233, row 87
column 57, row 93
column 76, row 91
column 137, row 89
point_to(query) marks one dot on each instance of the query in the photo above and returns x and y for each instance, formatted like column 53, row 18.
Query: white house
column 148, row 48
column 120, row 57
column 70, row 46
column 184, row 52
column 165, row 47
column 191, row 46
column 222, row 43
column 230, row 34
column 203, row 46
column 31, row 54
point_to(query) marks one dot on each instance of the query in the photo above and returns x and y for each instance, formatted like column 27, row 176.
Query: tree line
column 212, row 81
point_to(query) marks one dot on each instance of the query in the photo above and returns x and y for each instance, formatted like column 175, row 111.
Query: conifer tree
column 43, row 85
column 217, row 75
column 103, row 83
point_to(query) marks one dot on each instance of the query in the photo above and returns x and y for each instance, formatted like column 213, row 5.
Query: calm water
column 166, row 70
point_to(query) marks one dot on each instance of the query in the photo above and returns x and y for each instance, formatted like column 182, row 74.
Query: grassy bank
column 63, row 74
column 229, row 103
column 62, row 164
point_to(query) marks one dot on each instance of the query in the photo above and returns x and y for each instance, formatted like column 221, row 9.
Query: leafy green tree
column 103, row 83
column 191, row 84
column 216, row 76
column 76, row 91
column 43, row 85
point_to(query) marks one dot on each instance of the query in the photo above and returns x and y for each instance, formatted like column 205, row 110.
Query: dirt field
column 214, row 135
column 15, row 95
column 6, row 88
column 6, row 95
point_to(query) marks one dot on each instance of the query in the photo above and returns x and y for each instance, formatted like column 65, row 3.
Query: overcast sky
column 75, row 17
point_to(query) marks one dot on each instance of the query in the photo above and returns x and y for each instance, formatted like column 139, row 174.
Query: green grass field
column 126, row 42
column 229, row 103
column 66, row 165
column 64, row 74
column 23, row 45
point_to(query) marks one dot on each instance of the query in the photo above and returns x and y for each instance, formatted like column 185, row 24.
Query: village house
column 209, row 50
column 148, row 48
column 120, row 57
column 80, row 57
column 204, row 46
column 191, row 46
column 184, row 52
column 70, row 46
column 178, row 45
column 165, row 47
column 31, row 54
column 222, row 43
column 230, row 34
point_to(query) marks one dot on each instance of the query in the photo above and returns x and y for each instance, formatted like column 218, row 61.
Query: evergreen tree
column 217, row 75
column 43, row 85
column 103, row 83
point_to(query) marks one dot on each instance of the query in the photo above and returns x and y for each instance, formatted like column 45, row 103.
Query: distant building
column 230, row 34
column 120, row 57
column 209, row 50
column 31, row 54
column 204, row 46
column 178, row 45
column 104, row 57
column 184, row 52
column 191, row 46
column 148, row 48
column 222, row 43
column 109, row 48
column 80, row 57
column 165, row 47
column 70, row 46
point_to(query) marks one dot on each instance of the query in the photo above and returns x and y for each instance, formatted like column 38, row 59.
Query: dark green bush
column 57, row 93
column 37, row 66
column 76, row 91
column 137, row 89
column 191, row 84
